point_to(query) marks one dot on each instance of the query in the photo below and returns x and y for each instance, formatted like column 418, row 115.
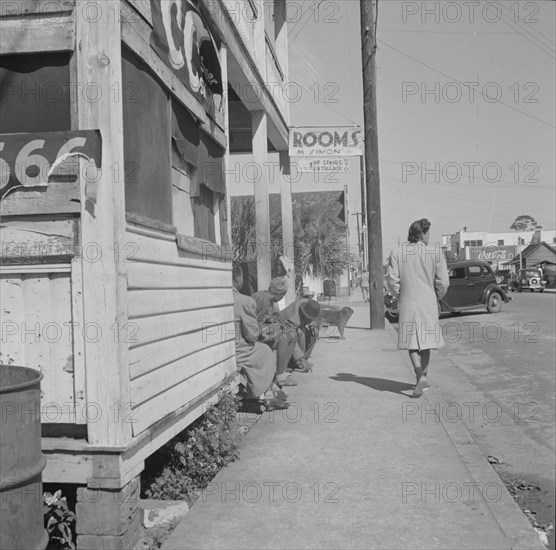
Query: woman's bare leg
column 420, row 360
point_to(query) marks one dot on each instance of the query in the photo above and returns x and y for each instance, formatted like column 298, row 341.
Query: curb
column 509, row 517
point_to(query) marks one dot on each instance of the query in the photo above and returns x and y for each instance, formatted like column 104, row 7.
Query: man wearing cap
column 270, row 325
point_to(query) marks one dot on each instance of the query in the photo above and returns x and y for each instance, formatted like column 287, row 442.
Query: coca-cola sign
column 493, row 254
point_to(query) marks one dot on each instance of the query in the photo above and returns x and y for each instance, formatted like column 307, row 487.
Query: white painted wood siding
column 181, row 330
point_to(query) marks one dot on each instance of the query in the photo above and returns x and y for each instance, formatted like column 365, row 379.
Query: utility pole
column 372, row 179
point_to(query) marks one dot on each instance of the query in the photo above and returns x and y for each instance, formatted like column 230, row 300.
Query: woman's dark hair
column 417, row 230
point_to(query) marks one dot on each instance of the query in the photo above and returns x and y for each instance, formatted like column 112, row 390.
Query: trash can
column 21, row 460
column 329, row 288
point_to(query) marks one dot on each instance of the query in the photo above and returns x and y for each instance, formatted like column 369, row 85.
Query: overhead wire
column 524, row 113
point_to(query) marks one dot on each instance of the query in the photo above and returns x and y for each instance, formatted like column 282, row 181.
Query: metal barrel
column 21, row 460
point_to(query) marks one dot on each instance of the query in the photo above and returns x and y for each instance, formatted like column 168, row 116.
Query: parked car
column 473, row 285
column 531, row 278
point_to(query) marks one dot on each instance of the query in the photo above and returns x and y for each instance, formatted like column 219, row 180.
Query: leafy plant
column 58, row 521
column 187, row 464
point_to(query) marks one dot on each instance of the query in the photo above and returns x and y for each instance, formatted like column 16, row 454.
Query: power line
column 464, row 84
column 532, row 184
column 529, row 37
column 550, row 44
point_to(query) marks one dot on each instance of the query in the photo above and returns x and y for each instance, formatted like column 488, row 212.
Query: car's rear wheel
column 494, row 304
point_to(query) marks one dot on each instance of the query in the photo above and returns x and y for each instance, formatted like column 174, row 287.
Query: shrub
column 186, row 465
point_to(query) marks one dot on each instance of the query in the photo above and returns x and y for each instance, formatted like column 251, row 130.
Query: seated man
column 271, row 332
column 254, row 360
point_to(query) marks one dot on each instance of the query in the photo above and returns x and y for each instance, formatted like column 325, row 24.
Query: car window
column 486, row 272
column 474, row 270
column 457, row 273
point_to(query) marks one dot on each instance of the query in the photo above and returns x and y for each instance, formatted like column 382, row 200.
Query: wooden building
column 116, row 263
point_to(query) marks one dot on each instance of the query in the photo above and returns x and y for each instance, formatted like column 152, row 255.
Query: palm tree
column 319, row 248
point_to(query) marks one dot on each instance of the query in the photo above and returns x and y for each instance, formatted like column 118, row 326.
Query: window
column 474, row 271
column 35, row 92
column 486, row 272
column 146, row 142
column 457, row 273
column 521, row 240
column 501, row 242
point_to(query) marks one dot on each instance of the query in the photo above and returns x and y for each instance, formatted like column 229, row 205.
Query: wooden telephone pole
column 372, row 180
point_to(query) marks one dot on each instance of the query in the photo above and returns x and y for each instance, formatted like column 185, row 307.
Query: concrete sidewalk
column 357, row 463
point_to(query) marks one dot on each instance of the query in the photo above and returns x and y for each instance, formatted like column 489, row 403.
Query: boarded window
column 35, row 92
column 146, row 142
column 185, row 141
column 203, row 212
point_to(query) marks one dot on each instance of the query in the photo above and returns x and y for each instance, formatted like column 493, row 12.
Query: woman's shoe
column 422, row 384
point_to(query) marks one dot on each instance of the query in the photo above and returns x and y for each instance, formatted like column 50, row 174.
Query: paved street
column 497, row 370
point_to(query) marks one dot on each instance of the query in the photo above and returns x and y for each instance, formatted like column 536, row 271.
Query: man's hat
column 310, row 309
column 278, row 285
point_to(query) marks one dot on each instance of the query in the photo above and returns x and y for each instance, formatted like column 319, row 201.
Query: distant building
column 498, row 249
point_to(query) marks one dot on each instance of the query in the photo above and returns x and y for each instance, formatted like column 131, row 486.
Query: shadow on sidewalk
column 379, row 384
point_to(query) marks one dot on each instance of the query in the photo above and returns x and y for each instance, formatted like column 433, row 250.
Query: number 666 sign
column 26, row 159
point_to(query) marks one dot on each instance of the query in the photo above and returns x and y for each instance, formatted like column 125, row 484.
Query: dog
column 336, row 317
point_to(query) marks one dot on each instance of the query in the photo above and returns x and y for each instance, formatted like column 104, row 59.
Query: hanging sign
column 320, row 164
column 334, row 141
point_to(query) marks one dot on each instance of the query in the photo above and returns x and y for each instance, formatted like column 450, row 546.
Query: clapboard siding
column 144, row 303
column 180, row 311
column 156, row 302
column 176, row 397
column 152, row 356
column 142, row 275
column 161, row 327
column 163, row 249
column 168, row 376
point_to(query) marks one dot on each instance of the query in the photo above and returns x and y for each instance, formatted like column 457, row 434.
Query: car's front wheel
column 494, row 304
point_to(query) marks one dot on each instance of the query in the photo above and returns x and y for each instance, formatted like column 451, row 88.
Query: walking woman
column 418, row 275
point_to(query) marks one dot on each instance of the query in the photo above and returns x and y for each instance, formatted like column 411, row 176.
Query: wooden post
column 374, row 228
column 99, row 106
column 224, row 69
column 287, row 221
column 262, row 209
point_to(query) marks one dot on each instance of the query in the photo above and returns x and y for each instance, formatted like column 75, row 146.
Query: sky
column 465, row 101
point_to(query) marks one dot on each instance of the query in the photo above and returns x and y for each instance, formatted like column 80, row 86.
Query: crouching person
column 295, row 320
column 254, row 360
